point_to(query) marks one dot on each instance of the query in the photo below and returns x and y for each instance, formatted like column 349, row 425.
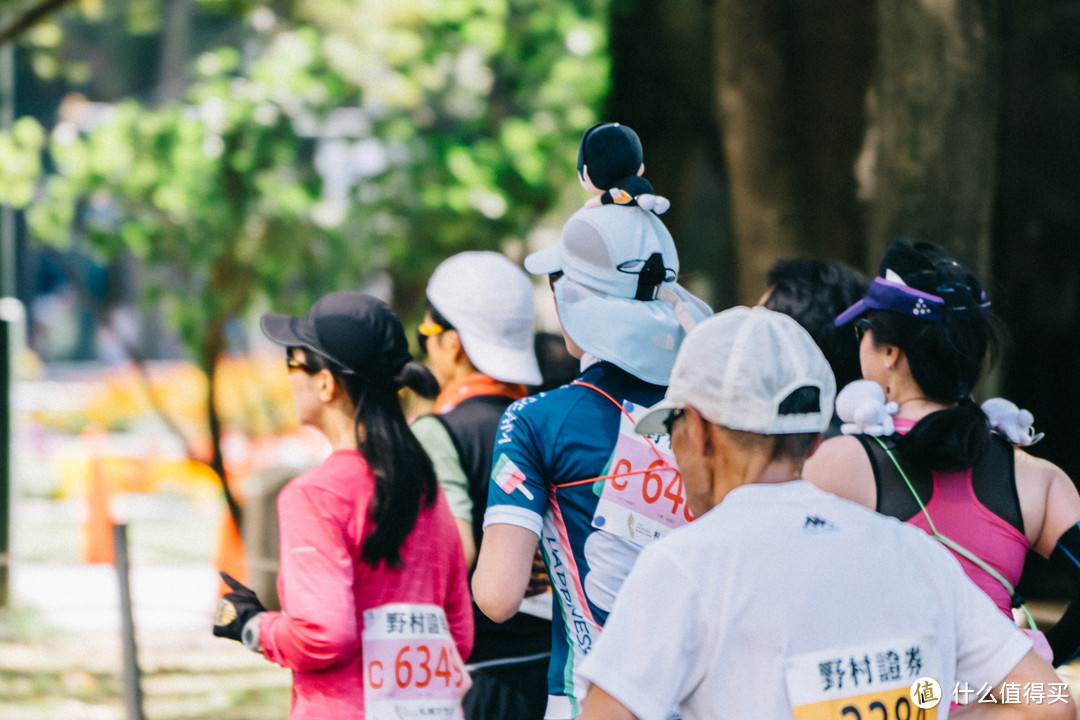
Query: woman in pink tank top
column 925, row 330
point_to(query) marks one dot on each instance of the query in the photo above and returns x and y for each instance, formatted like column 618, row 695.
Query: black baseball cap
column 358, row 333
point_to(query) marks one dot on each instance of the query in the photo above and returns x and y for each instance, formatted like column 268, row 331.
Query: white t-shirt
column 786, row 596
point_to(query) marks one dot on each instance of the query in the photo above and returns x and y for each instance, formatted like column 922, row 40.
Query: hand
column 538, row 579
column 235, row 608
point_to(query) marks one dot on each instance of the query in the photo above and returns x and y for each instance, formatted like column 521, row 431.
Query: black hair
column 796, row 446
column 438, row 317
column 404, row 476
column 946, row 358
column 557, row 366
column 793, row 447
column 814, row 292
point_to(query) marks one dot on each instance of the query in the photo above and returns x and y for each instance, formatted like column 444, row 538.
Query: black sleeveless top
column 993, row 478
column 473, row 425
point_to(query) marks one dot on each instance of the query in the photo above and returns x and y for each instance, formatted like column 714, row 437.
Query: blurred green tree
column 348, row 142
column 475, row 109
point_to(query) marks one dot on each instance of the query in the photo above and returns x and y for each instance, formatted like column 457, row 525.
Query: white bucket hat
column 489, row 301
column 617, row 297
column 740, row 366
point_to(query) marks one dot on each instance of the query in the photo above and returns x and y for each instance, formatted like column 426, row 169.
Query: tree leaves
column 350, row 142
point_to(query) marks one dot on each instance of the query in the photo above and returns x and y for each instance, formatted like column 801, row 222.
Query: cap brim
column 508, row 364
column 851, row 313
column 654, row 422
column 290, row 331
column 281, row 329
column 544, row 262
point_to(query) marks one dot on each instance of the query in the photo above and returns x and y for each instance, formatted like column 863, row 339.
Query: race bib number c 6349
column 411, row 664
column 888, row 680
column 643, row 496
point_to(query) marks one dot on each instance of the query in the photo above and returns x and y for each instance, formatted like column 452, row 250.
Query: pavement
column 61, row 653
column 60, row 638
column 84, row 598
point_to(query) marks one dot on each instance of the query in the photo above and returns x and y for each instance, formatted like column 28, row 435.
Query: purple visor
column 896, row 297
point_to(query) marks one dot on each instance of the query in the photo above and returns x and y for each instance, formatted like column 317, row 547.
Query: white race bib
column 643, row 497
column 412, row 668
column 886, row 680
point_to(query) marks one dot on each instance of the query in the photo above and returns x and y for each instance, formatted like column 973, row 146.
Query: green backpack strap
column 957, row 547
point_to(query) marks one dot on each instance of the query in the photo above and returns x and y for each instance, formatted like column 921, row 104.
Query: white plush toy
column 1012, row 422
column 862, row 407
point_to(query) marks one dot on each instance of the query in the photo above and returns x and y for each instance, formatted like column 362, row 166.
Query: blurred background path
column 60, row 642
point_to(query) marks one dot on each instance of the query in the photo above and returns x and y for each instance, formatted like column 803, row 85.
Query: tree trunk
column 1036, row 255
column 213, row 349
column 937, row 120
column 176, row 36
column 231, row 283
column 830, row 61
column 662, row 86
column 791, row 82
column 29, row 19
column 752, row 96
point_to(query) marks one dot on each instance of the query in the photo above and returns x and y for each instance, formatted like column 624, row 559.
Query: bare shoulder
column 840, row 466
column 1048, row 498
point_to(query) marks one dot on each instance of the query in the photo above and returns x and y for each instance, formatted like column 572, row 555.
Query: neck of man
column 748, row 463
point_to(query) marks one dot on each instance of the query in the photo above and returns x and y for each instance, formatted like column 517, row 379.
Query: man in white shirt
column 783, row 601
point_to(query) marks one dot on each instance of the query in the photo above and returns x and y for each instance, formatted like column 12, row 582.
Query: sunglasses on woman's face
column 861, row 326
column 426, row 330
column 294, row 364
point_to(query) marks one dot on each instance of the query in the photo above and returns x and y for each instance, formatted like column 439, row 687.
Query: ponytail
column 404, row 476
column 419, row 379
column 949, row 439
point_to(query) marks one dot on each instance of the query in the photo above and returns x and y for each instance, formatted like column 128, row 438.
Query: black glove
column 235, row 608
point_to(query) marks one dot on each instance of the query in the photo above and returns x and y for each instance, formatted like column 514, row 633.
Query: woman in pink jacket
column 375, row 613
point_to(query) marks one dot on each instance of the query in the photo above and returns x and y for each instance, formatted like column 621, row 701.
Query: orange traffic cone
column 98, row 525
column 231, row 556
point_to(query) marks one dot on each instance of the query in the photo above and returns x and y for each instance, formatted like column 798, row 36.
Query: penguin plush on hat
column 611, row 167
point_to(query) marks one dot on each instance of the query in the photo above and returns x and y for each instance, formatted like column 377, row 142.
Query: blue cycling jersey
column 552, row 454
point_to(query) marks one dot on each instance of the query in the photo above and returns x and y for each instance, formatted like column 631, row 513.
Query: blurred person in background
column 557, row 365
column 814, row 292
